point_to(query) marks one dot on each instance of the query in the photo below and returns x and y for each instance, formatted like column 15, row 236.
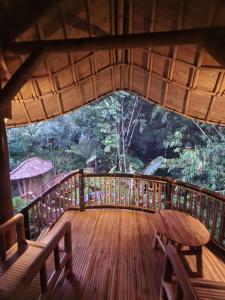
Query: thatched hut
column 29, row 177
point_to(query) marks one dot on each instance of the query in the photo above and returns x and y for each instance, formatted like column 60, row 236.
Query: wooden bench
column 176, row 285
column 20, row 264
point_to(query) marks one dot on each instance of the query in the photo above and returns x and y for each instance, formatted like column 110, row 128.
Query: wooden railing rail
column 18, row 221
column 134, row 191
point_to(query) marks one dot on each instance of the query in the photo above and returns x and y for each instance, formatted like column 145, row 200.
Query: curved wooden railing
column 141, row 192
column 45, row 210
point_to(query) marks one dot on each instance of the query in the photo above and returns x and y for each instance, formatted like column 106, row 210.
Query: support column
column 6, row 206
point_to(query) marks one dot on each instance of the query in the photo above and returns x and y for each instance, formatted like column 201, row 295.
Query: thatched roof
column 32, row 167
column 184, row 74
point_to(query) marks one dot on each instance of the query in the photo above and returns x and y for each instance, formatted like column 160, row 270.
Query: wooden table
column 181, row 229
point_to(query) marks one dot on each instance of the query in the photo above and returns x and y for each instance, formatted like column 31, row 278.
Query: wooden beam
column 125, row 41
column 19, row 79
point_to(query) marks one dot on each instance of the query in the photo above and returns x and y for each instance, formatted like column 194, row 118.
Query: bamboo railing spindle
column 147, row 194
column 109, row 189
column 74, row 200
column 195, row 205
column 168, row 200
column 125, row 192
column 114, row 187
column 100, row 190
column 139, row 192
column 134, row 191
column 207, row 212
column 214, row 223
column 160, row 196
column 129, row 190
column 119, row 191
column 27, row 224
column 154, row 196
column 94, row 190
column 185, row 201
column 191, row 203
column 222, row 225
column 81, row 190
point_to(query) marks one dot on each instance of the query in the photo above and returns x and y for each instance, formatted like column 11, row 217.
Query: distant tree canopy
column 124, row 133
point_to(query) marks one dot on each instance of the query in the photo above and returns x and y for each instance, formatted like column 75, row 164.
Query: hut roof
column 32, row 167
column 181, row 72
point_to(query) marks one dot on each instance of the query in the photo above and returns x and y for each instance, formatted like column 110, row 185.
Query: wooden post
column 26, row 223
column 81, row 190
column 6, row 206
column 168, row 201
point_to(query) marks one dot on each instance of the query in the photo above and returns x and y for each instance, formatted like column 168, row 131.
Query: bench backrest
column 174, row 268
column 18, row 222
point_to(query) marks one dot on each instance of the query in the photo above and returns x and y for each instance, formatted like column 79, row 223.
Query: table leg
column 199, row 261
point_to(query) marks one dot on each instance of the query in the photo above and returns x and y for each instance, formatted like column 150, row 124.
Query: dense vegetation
column 124, row 133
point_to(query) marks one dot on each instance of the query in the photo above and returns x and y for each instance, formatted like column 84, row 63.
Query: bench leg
column 158, row 241
column 155, row 242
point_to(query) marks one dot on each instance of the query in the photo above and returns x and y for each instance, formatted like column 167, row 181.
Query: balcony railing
column 148, row 193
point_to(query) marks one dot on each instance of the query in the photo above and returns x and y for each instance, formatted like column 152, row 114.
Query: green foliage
column 200, row 156
column 19, row 203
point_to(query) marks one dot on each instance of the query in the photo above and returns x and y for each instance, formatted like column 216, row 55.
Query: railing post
column 26, row 224
column 168, row 201
column 81, row 190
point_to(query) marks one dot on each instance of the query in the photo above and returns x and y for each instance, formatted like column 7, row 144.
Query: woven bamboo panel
column 184, row 79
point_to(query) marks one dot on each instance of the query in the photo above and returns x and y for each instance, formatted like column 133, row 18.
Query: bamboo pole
column 6, row 206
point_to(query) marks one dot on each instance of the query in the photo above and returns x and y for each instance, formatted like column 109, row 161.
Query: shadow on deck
column 113, row 257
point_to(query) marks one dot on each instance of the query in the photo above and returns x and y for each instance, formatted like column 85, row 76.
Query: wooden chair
column 25, row 259
column 176, row 285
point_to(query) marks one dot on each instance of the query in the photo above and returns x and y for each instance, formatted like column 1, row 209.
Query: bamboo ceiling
column 182, row 78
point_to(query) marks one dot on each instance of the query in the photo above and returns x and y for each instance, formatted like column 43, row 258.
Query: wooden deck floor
column 113, row 257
